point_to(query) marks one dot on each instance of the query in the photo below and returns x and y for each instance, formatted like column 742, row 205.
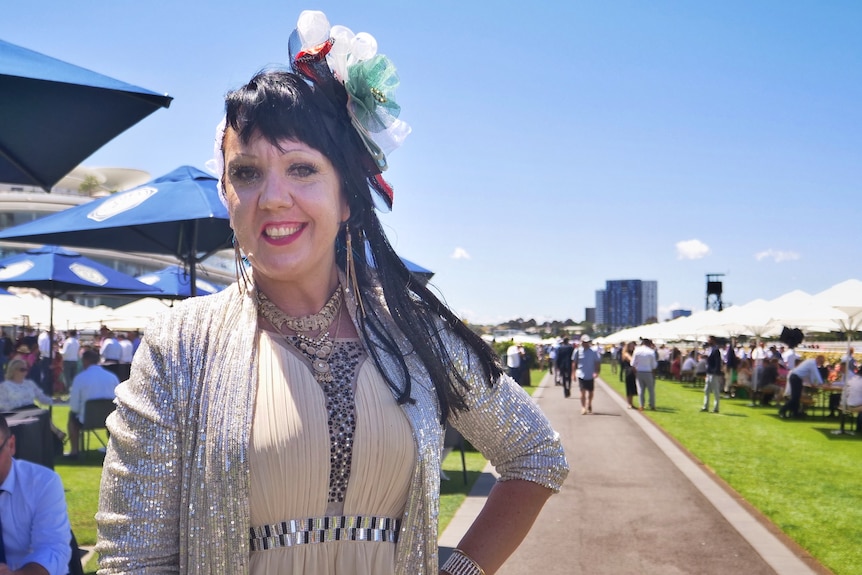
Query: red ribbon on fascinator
column 325, row 54
column 306, row 59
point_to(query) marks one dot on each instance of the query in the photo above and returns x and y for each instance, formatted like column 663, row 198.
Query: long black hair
column 280, row 105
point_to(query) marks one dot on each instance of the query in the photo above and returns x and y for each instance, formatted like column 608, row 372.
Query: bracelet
column 459, row 563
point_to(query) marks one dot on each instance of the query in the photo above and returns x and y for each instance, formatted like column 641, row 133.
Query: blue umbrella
column 54, row 270
column 179, row 214
column 422, row 274
column 175, row 283
column 53, row 114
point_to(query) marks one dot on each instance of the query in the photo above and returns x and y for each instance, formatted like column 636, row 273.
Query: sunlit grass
column 796, row 472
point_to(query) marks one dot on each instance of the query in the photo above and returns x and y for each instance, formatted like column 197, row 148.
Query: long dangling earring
column 239, row 263
column 352, row 282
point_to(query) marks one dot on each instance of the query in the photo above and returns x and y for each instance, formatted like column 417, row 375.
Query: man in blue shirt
column 94, row 382
column 34, row 521
column 588, row 362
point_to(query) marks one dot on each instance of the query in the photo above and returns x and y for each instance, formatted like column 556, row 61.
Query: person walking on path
column 588, row 363
column 644, row 364
column 714, row 376
column 564, row 365
column 627, row 373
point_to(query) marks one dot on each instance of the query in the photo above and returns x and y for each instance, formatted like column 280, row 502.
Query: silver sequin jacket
column 175, row 483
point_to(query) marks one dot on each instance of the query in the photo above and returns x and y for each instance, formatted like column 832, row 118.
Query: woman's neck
column 300, row 298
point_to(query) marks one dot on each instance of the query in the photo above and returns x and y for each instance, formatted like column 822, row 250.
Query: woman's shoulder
column 194, row 309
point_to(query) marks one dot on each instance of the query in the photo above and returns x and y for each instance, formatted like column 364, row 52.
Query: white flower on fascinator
column 216, row 164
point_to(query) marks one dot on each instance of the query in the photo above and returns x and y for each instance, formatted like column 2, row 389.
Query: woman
column 744, row 375
column 631, row 379
column 676, row 365
column 310, row 396
column 17, row 391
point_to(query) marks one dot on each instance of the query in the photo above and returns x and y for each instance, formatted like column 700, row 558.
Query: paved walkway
column 635, row 503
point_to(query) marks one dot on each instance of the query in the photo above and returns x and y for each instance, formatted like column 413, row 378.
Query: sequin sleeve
column 507, row 427
column 138, row 518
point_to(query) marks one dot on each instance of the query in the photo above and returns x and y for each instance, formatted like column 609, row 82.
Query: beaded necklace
column 316, row 349
column 323, row 353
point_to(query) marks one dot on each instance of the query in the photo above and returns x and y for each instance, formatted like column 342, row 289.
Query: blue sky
column 554, row 146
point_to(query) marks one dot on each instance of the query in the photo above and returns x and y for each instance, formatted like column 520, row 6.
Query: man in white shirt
column 109, row 350
column 807, row 372
column 45, row 381
column 513, row 361
column 644, row 363
column 94, row 382
column 127, row 352
column 688, row 368
column 35, row 520
column 70, row 349
column 758, row 354
column 790, row 358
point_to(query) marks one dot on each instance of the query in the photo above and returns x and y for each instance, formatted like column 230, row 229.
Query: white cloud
column 777, row 255
column 460, row 254
column 691, row 250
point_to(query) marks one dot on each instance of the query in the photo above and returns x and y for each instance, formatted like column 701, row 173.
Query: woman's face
column 286, row 208
column 19, row 372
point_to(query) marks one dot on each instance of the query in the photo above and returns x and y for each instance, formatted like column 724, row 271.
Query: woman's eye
column 302, row 170
column 243, row 174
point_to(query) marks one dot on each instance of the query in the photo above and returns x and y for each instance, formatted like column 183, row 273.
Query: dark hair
column 4, row 428
column 279, row 105
column 90, row 356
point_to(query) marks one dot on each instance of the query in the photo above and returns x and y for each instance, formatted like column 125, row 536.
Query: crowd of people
column 771, row 375
column 80, row 371
column 53, row 364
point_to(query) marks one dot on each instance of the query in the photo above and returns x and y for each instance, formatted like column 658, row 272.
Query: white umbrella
column 137, row 314
column 803, row 310
column 846, row 297
column 751, row 319
column 31, row 307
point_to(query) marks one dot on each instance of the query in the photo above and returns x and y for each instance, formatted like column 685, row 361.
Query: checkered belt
column 324, row 529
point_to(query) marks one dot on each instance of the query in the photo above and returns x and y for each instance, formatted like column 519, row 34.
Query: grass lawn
column 796, row 472
column 81, row 480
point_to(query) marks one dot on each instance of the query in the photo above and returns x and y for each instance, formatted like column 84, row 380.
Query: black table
column 33, row 437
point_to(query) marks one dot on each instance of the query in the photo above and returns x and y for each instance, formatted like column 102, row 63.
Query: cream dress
column 289, row 460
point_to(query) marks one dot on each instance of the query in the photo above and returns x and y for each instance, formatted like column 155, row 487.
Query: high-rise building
column 628, row 303
column 601, row 307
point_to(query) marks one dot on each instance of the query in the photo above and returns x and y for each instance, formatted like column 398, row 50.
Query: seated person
column 700, row 366
column 835, row 379
column 16, row 391
column 92, row 382
column 688, row 368
column 851, row 398
column 33, row 514
column 770, row 388
column 743, row 374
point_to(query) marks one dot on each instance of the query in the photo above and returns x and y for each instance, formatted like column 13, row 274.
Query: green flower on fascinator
column 371, row 85
column 369, row 79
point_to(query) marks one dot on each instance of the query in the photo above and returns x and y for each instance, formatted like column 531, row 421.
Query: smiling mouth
column 279, row 232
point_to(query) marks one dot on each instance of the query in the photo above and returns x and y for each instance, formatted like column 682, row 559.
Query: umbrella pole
column 50, row 344
column 193, row 263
